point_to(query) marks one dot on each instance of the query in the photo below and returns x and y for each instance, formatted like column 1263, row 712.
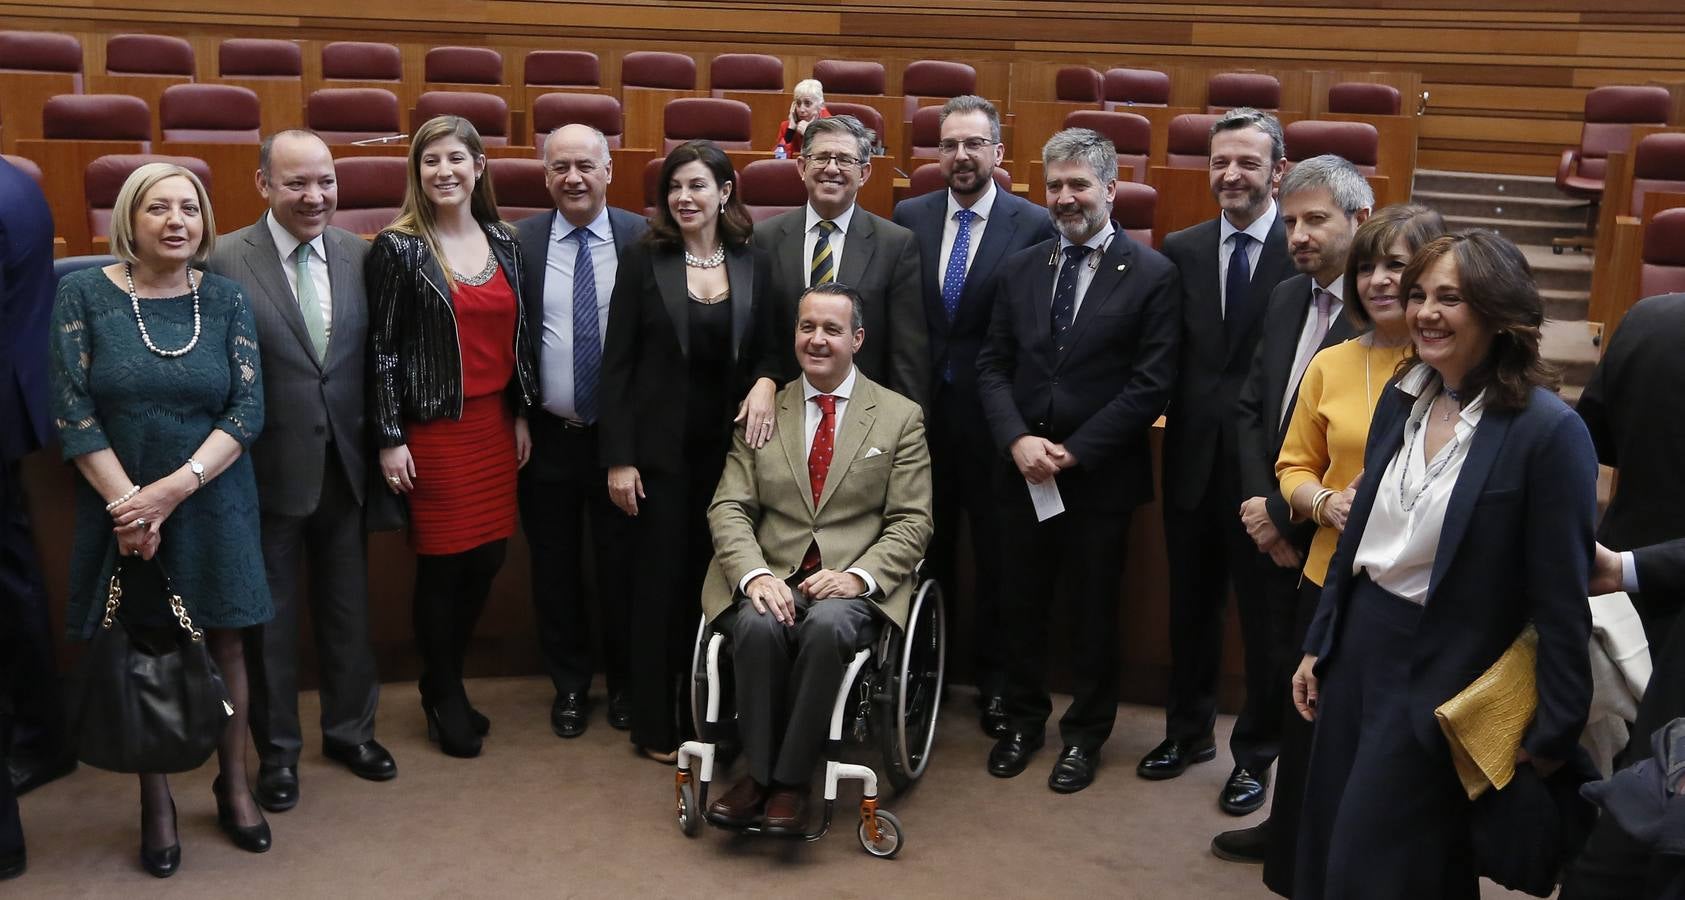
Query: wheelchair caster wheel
column 690, row 814
column 888, row 841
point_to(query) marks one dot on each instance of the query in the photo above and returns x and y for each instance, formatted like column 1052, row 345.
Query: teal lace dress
column 110, row 391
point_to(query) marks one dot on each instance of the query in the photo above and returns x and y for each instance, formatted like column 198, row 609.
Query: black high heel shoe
column 476, row 720
column 462, row 746
column 250, row 838
column 164, row 862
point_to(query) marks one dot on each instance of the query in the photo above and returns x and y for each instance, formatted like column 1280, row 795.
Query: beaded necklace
column 711, row 261
column 146, row 338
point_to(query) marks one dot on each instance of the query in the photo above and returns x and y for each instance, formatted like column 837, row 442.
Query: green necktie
column 310, row 305
column 824, row 269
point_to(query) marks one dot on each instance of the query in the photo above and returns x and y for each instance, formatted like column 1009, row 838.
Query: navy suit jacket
column 26, row 306
column 1014, row 223
column 533, row 232
column 1516, row 546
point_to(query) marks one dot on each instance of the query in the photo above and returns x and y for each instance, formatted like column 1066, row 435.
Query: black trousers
column 11, row 825
column 561, row 488
column 38, row 724
column 332, row 546
column 963, row 460
column 1295, row 758
column 1075, row 559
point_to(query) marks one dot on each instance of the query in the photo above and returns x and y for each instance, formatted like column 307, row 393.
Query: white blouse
column 1402, row 535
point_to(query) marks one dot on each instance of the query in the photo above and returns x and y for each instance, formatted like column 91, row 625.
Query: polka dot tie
column 819, row 461
column 1065, row 292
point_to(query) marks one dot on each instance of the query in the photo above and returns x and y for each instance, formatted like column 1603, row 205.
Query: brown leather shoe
column 786, row 810
column 740, row 806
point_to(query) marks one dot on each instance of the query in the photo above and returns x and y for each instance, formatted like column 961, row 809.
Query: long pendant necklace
column 146, row 338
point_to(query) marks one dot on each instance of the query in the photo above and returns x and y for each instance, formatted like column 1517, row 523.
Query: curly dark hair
column 735, row 225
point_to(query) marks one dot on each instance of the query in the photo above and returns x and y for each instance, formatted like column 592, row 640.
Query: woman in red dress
column 454, row 374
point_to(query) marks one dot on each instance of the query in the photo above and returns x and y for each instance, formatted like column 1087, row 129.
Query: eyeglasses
column 972, row 146
column 824, row 160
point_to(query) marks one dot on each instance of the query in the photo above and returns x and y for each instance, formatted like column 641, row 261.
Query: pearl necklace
column 711, row 261
column 134, row 303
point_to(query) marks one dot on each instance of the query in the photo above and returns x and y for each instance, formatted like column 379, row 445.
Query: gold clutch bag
column 1484, row 722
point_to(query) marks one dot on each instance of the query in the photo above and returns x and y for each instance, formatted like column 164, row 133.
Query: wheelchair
column 890, row 694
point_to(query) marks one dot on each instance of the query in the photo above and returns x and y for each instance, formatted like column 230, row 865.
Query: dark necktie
column 1237, row 287
column 819, row 462
column 587, row 347
column 1065, row 292
column 824, row 267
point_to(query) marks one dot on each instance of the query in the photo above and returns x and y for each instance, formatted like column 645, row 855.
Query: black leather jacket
column 414, row 358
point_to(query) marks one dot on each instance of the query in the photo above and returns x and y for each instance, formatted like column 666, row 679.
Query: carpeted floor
column 539, row 816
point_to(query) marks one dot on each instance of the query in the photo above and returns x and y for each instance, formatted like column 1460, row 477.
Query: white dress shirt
column 1258, row 231
column 1091, row 264
column 555, row 342
column 1309, row 340
column 838, row 238
column 287, row 245
column 951, row 228
column 1398, row 545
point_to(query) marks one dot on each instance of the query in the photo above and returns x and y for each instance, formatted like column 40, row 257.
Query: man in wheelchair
column 816, row 539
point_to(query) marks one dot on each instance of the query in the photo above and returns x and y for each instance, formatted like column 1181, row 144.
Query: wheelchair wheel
column 911, row 694
column 699, row 679
column 690, row 814
column 888, row 842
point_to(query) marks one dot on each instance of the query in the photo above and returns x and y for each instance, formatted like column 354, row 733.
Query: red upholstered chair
column 259, row 58
column 463, row 65
column 1658, row 164
column 104, row 178
column 1078, row 84
column 728, row 123
column 1663, row 268
column 347, row 115
column 1136, row 87
column 850, row 76
column 1610, row 113
column 600, row 111
column 1189, row 141
column 928, row 177
column 1228, row 90
column 40, row 51
column 210, row 113
column 35, row 65
column 653, row 194
column 489, row 113
column 148, row 54
column 925, row 133
column 97, row 117
column 656, row 69
column 935, row 78
column 1356, row 142
column 1134, row 208
column 1130, row 134
column 371, row 189
column 868, row 116
column 745, row 72
column 362, row 61
column 519, row 185
column 563, row 68
column 27, row 166
column 1362, row 98
column 771, row 186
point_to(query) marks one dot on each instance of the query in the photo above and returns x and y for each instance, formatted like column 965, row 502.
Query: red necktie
column 819, row 461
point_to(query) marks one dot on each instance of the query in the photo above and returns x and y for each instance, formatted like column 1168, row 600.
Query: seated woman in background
column 809, row 104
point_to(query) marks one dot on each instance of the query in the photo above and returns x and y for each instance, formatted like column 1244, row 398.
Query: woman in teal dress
column 157, row 392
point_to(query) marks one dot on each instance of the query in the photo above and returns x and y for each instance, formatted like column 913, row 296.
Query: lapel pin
column 1122, row 266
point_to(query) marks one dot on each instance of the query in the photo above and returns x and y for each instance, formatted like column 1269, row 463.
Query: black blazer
column 1014, row 223
column 1516, row 546
column 533, row 233
column 1200, row 423
column 645, row 353
column 1260, row 426
column 1101, row 395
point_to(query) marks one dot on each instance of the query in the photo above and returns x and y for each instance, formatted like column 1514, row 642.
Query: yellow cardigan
column 1330, row 426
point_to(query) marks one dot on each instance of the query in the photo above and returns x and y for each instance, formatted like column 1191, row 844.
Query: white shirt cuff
column 1629, row 572
column 743, row 586
column 863, row 575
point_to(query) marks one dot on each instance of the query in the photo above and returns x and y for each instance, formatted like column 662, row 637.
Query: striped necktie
column 824, row 268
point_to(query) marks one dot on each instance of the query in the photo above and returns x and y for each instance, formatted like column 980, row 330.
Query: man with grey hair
column 1229, row 265
column 832, row 239
column 569, row 258
column 964, row 233
column 1079, row 363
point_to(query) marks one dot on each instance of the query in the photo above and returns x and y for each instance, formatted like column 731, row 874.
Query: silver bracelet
column 133, row 490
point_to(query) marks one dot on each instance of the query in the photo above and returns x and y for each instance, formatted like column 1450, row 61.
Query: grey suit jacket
column 309, row 402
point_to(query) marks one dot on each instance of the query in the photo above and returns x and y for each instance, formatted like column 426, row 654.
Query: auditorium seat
column 1658, row 164
column 40, row 51
column 658, row 69
column 1136, row 87
column 1188, row 144
column 935, row 78
column 519, row 186
column 1134, row 208
column 850, row 76
column 1078, row 84
column 563, row 68
column 600, row 111
column 1357, row 142
column 771, row 186
column 97, row 117
column 463, row 65
column 925, row 133
column 928, row 177
column 1663, row 269
column 362, row 61
column 348, row 115
column 1227, row 90
column 654, row 194
column 488, row 113
column 210, row 113
column 745, row 72
column 1610, row 113
column 1362, row 98
column 371, row 190
column 1130, row 134
column 148, row 54
column 868, row 116
column 28, row 167
column 259, row 58
column 104, row 178
column 34, row 67
column 728, row 123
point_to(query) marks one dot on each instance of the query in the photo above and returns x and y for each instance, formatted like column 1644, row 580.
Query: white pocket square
column 873, row 452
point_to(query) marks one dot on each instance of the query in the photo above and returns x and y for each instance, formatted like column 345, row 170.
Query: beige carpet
column 542, row 817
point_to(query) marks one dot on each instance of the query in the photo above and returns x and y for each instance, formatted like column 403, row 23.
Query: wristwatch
column 198, row 470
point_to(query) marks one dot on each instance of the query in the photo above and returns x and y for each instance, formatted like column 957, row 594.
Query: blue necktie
column 953, row 280
column 1237, row 289
column 1065, row 293
column 587, row 347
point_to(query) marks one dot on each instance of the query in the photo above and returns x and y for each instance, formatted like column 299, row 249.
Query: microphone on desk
column 381, row 141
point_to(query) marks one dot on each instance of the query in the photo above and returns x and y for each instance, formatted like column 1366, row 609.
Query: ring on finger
column 140, row 523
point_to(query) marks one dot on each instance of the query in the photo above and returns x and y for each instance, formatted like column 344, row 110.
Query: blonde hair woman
column 807, row 105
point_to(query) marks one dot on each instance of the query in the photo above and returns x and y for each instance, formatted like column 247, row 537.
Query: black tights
column 450, row 594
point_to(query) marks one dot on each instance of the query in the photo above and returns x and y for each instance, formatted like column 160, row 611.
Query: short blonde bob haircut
column 134, row 191
column 810, row 87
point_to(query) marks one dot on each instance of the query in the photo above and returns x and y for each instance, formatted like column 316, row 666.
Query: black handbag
column 152, row 699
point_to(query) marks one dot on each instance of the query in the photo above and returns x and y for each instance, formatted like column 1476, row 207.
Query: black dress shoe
column 1012, row 753
column 1243, row 793
column 29, row 773
column 1074, row 770
column 619, row 712
column 569, row 714
column 993, row 717
column 277, row 787
column 1173, row 757
column 1243, row 845
column 163, row 862
column 13, row 864
column 250, row 838
column 366, row 760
